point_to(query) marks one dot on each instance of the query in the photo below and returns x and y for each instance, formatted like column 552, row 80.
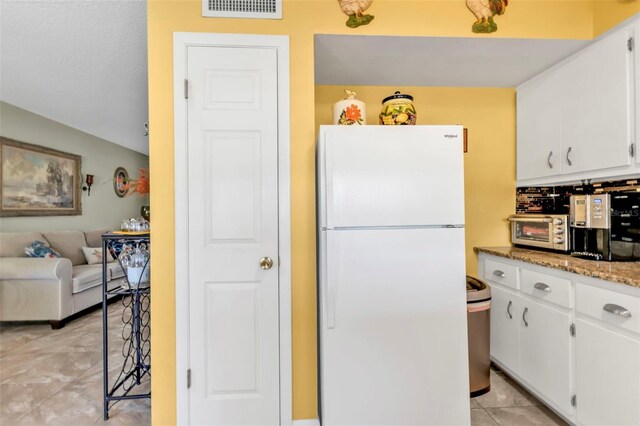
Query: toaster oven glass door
column 533, row 231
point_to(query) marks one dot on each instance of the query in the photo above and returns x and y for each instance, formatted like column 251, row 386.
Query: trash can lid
column 477, row 290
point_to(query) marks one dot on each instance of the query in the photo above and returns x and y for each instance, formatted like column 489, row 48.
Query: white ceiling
column 82, row 63
column 434, row 61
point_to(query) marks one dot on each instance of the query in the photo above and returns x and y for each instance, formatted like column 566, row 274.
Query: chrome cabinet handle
column 499, row 273
column 549, row 159
column 569, row 159
column 612, row 308
column 266, row 263
column 509, row 309
column 542, row 286
column 524, row 317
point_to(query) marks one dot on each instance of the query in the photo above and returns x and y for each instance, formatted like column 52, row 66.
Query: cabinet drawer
column 546, row 287
column 501, row 273
column 613, row 308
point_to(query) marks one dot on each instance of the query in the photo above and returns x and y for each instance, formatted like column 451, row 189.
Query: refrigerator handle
column 328, row 180
column 331, row 281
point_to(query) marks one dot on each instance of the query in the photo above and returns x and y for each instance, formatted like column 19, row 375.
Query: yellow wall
column 609, row 13
column 303, row 19
column 489, row 164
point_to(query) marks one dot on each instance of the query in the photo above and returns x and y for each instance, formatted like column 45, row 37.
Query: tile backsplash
column 555, row 199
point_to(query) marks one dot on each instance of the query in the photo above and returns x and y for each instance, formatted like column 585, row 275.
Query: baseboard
column 307, row 422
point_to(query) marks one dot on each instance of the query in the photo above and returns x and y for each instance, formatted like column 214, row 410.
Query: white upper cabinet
column 539, row 128
column 636, row 38
column 577, row 120
column 598, row 105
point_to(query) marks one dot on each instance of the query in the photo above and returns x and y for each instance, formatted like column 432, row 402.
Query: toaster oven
column 547, row 231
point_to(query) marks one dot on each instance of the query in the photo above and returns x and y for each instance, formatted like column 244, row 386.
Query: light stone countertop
column 620, row 272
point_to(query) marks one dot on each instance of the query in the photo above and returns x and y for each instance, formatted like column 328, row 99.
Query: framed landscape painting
column 38, row 181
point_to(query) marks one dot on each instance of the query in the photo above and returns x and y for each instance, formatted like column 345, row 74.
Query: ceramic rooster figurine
column 485, row 10
column 354, row 9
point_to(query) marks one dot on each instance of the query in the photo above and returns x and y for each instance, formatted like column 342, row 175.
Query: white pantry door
column 232, row 127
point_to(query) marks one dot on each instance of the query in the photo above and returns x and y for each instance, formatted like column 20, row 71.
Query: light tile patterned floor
column 54, row 377
column 508, row 404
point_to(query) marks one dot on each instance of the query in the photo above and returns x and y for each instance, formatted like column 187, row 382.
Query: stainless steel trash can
column 478, row 324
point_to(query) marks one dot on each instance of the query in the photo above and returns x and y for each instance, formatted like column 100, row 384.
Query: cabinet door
column 539, row 128
column 505, row 306
column 607, row 376
column 636, row 40
column 597, row 112
column 545, row 352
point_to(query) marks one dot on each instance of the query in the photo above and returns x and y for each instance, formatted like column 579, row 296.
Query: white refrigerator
column 391, row 276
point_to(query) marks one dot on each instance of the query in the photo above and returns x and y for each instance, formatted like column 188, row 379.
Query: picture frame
column 38, row 181
column 120, row 179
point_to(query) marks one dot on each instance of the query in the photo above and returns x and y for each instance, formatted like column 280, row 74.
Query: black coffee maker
column 605, row 226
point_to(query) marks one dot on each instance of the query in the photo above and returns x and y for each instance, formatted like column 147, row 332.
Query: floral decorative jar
column 398, row 109
column 349, row 111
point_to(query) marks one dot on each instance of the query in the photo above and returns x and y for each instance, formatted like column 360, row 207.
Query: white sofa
column 55, row 290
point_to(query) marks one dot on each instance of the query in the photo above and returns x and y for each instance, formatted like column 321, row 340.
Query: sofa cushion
column 94, row 255
column 86, row 277
column 40, row 249
column 94, row 238
column 12, row 244
column 69, row 244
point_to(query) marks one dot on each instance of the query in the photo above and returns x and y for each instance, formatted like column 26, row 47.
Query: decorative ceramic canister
column 349, row 111
column 398, row 109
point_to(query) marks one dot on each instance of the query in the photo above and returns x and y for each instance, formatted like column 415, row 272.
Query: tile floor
column 508, row 404
column 54, row 377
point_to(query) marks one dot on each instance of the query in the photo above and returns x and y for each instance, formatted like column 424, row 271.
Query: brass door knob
column 266, row 263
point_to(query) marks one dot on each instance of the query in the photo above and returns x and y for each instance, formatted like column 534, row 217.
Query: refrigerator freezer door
column 375, row 176
column 393, row 327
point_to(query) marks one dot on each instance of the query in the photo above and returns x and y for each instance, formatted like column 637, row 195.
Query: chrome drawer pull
column 524, row 317
column 542, row 286
column 499, row 273
column 612, row 308
column 509, row 309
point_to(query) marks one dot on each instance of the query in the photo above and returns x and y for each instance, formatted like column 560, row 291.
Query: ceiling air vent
column 257, row 9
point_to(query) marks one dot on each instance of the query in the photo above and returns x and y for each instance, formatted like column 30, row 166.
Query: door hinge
column 632, row 150
column 189, row 379
column 574, row 400
column 572, row 329
column 186, row 88
column 630, row 44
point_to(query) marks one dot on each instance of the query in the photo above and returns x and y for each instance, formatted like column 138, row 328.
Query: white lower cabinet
column 505, row 325
column 571, row 340
column 531, row 338
column 607, row 356
column 607, row 376
column 545, row 352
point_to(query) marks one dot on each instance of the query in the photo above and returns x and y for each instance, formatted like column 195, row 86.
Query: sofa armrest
column 30, row 268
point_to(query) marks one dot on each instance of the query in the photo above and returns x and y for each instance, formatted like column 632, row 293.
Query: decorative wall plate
column 120, row 179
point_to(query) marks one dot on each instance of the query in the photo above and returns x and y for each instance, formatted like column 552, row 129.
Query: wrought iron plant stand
column 136, row 331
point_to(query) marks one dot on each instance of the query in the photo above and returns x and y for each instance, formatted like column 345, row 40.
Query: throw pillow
column 94, row 255
column 40, row 249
